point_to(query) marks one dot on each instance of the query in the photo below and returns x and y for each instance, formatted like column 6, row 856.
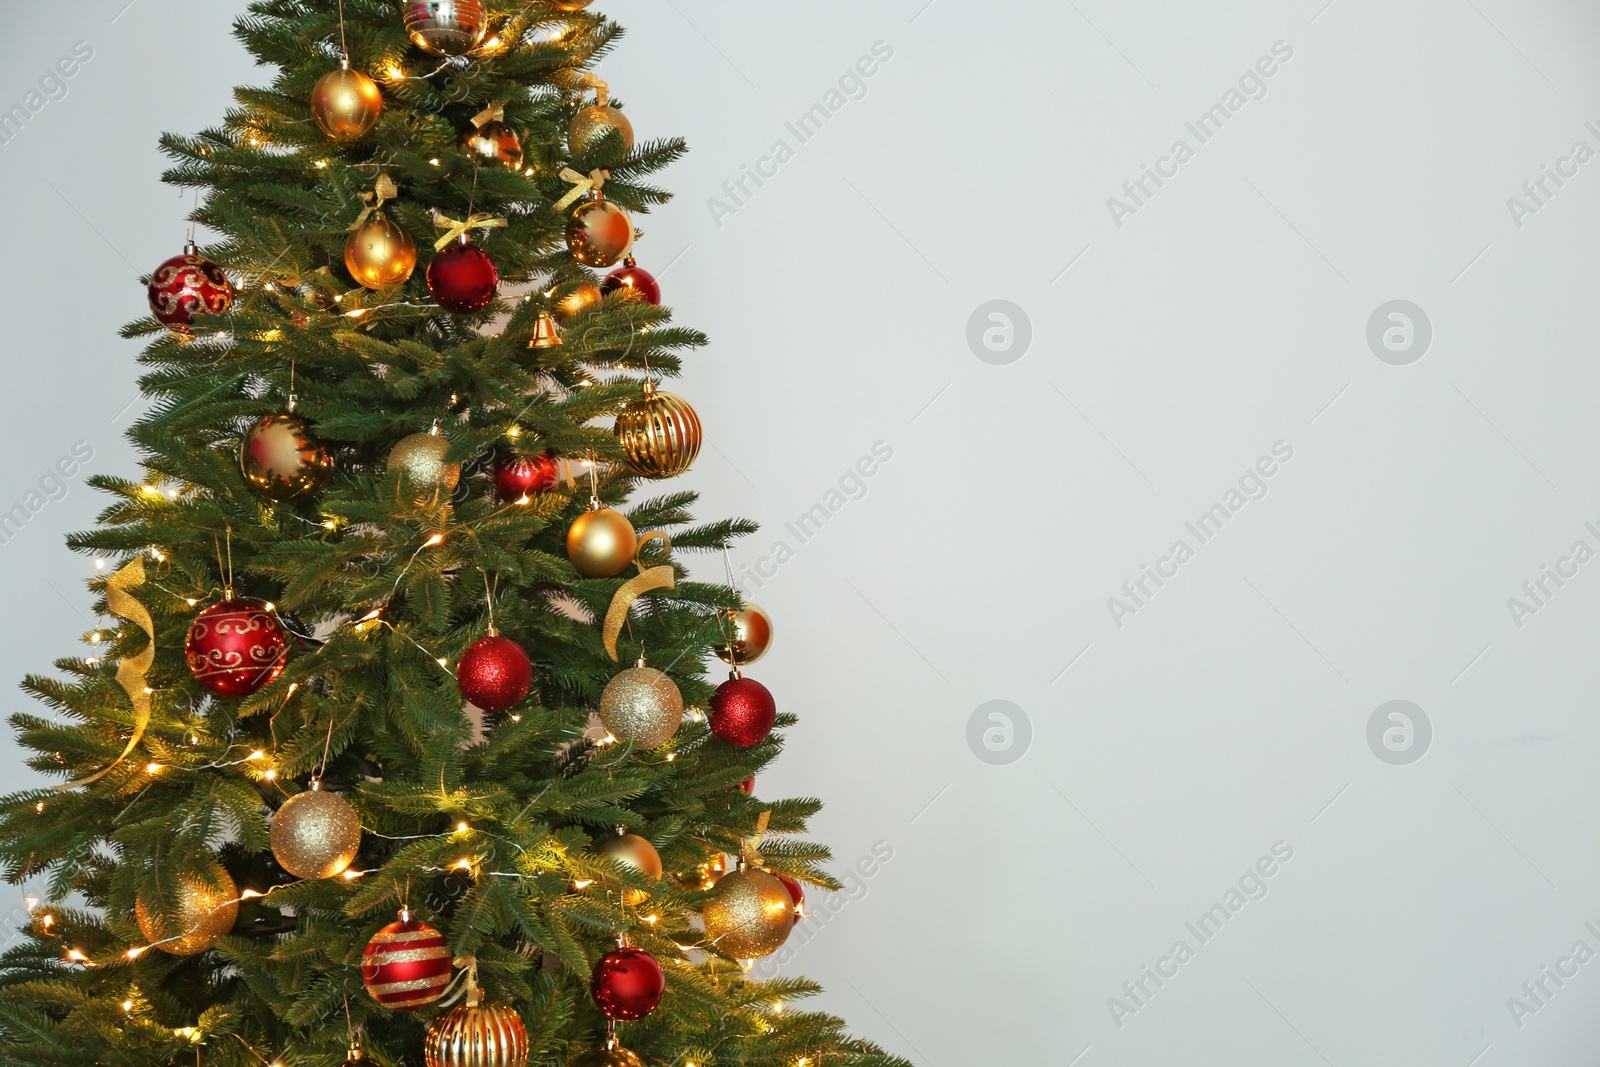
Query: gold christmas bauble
column 281, row 461
column 660, row 434
column 379, row 254
column 494, row 144
column 638, row 853
column 421, row 458
column 346, row 104
column 607, row 1057
column 587, row 295
column 601, row 543
column 315, row 834
column 593, row 124
column 445, row 27
column 750, row 916
column 569, row 6
column 599, row 233
column 642, row 707
column 751, row 635
column 477, row 1035
column 207, row 909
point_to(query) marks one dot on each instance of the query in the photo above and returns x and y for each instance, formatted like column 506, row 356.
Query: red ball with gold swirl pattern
column 236, row 647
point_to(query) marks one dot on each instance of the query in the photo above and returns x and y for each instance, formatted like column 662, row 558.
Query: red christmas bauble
column 406, row 965
column 634, row 278
column 798, row 892
column 462, row 278
column 749, row 786
column 187, row 287
column 236, row 647
column 742, row 712
column 495, row 674
column 628, row 984
column 518, row 476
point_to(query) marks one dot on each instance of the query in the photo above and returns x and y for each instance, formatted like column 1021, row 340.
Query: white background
column 1229, row 313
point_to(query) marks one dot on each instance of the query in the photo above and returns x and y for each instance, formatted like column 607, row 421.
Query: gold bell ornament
column 593, row 124
column 545, row 332
column 660, row 433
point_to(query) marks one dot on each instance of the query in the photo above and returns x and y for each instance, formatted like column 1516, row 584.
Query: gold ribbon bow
column 602, row 91
column 130, row 672
column 374, row 200
column 454, row 229
column 661, row 577
column 495, row 112
column 581, row 184
column 750, row 847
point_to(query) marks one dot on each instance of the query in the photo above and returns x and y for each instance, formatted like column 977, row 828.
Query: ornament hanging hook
column 344, row 42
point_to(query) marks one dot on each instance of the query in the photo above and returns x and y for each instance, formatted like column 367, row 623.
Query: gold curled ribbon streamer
column 454, row 229
column 661, row 577
column 384, row 191
column 495, row 112
column 131, row 671
column 602, row 91
column 750, row 847
column 581, row 184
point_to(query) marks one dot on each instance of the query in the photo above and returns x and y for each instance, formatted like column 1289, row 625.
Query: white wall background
column 1229, row 313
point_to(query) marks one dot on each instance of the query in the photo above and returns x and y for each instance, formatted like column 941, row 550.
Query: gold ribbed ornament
column 346, row 104
column 207, row 909
column 421, row 457
column 477, row 1035
column 642, row 707
column 445, row 27
column 660, row 433
column 746, row 635
column 601, row 543
column 379, row 254
column 315, row 834
column 750, row 916
column 593, row 124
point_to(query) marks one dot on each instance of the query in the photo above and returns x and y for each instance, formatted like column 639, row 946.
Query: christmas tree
column 359, row 766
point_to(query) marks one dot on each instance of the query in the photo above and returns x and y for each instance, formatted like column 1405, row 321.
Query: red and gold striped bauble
column 473, row 1035
column 406, row 965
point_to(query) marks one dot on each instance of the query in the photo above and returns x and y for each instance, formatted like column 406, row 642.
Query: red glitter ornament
column 518, row 476
column 798, row 892
column 628, row 984
column 406, row 965
column 635, row 279
column 187, row 287
column 742, row 711
column 463, row 279
column 495, row 673
column 236, row 647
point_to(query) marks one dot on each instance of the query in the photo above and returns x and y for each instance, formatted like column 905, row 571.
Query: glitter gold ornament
column 475, row 1034
column 601, row 543
column 445, row 27
column 750, row 916
column 660, row 433
column 613, row 1055
column 281, row 461
column 207, row 909
column 421, row 458
column 595, row 123
column 346, row 104
column 638, row 853
column 379, row 253
column 746, row 635
column 642, row 707
column 315, row 834
column 599, row 233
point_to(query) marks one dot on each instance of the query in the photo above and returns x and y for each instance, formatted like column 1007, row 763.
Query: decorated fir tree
column 361, row 763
